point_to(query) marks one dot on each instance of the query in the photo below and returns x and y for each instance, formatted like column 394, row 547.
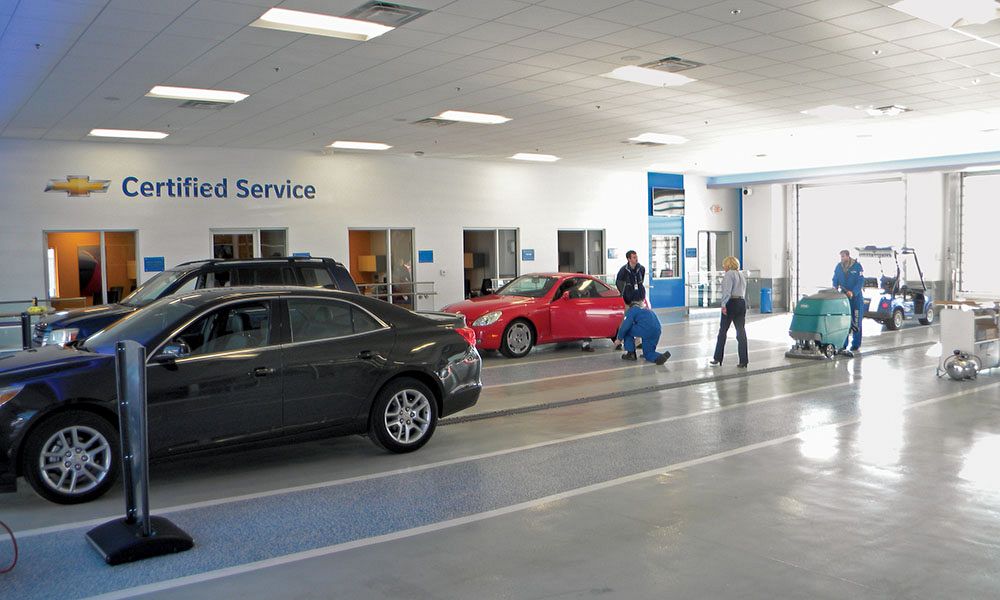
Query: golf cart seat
column 888, row 284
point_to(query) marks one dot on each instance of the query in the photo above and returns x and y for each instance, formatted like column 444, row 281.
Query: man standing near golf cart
column 849, row 277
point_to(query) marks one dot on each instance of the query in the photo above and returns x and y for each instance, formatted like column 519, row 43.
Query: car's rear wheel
column 928, row 317
column 896, row 321
column 403, row 416
column 71, row 457
column 518, row 339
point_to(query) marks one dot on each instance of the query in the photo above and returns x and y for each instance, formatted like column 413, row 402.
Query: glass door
column 249, row 243
column 381, row 263
column 87, row 268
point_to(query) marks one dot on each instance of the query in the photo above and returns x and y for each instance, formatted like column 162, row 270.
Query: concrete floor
column 580, row 475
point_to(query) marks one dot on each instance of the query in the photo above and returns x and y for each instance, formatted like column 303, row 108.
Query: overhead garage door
column 832, row 218
column 977, row 274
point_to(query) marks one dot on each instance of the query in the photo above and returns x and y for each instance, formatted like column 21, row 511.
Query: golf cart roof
column 875, row 251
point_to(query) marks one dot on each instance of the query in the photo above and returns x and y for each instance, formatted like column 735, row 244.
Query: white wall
column 707, row 209
column 764, row 231
column 925, row 221
column 435, row 197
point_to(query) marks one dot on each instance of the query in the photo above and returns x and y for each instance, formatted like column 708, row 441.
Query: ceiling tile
column 825, row 10
column 681, row 24
column 902, row 30
column 812, row 32
column 761, row 43
column 482, row 10
column 722, row 34
column 544, row 40
column 780, row 21
column 497, row 32
column 538, row 17
column 588, row 27
column 635, row 13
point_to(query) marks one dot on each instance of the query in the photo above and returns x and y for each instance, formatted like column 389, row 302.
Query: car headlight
column 487, row 319
column 60, row 337
column 8, row 393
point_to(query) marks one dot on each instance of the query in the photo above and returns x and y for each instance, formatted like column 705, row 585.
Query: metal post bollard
column 25, row 331
column 138, row 535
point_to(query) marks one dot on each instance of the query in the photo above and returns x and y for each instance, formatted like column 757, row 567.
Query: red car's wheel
column 518, row 338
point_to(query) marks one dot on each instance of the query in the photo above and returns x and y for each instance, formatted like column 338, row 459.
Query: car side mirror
column 173, row 350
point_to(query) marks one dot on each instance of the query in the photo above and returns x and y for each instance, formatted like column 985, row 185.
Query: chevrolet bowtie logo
column 78, row 185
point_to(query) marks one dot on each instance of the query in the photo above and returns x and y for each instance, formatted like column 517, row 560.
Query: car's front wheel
column 403, row 416
column 518, row 339
column 71, row 457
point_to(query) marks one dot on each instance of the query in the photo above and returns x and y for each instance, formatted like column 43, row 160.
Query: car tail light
column 468, row 333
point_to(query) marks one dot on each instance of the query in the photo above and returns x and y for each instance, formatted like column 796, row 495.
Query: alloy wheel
column 519, row 338
column 75, row 460
column 408, row 416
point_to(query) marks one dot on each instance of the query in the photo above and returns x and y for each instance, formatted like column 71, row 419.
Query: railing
column 411, row 294
column 705, row 288
column 10, row 321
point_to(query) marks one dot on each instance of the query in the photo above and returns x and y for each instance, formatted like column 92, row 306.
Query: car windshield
column 142, row 326
column 153, row 289
column 531, row 286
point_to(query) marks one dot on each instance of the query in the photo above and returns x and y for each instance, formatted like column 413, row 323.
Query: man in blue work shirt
column 641, row 323
column 849, row 278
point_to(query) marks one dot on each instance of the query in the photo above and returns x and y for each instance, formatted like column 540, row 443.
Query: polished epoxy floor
column 581, row 475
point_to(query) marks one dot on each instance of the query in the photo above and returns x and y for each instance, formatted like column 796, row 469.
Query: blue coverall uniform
column 641, row 323
column 852, row 279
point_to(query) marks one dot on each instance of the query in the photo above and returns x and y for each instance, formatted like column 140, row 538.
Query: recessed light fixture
column 648, row 76
column 344, row 145
column 735, row 11
column 298, row 21
column 876, row 52
column 184, row 93
column 535, row 157
column 760, row 155
column 471, row 117
column 949, row 14
column 128, row 133
column 975, row 81
column 658, row 138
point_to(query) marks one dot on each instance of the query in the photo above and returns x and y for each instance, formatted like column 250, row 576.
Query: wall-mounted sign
column 613, row 253
column 190, row 187
column 715, row 209
column 691, row 253
column 303, row 254
column 153, row 264
column 425, row 256
column 527, row 254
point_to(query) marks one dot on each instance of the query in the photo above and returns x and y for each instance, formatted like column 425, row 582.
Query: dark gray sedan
column 229, row 367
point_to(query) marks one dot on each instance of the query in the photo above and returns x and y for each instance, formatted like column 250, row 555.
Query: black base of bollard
column 120, row 542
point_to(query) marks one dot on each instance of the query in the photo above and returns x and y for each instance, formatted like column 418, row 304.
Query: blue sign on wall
column 153, row 264
column 425, row 256
column 691, row 252
column 527, row 254
column 304, row 254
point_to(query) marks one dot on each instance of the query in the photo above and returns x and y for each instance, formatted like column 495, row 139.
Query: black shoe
column 846, row 352
column 638, row 345
column 741, row 366
column 618, row 346
column 629, row 356
column 587, row 348
column 663, row 358
column 716, row 363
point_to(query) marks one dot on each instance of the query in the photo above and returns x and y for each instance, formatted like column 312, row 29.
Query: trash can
column 765, row 300
column 701, row 294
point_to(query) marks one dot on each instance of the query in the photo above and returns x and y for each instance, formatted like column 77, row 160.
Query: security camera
column 748, row 191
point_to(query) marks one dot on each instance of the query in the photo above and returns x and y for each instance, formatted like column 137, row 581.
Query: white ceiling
column 71, row 65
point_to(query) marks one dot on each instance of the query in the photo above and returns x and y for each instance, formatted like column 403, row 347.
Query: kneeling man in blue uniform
column 641, row 323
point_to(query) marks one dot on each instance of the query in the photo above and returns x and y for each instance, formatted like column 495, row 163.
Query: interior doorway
column 581, row 251
column 713, row 248
column 381, row 262
column 249, row 243
column 87, row 268
column 490, row 259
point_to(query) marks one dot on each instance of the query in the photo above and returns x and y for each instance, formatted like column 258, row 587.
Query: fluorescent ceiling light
column 648, row 76
column 949, row 13
column 535, row 157
column 471, row 117
column 659, row 138
column 128, row 133
column 833, row 111
column 305, row 22
column 183, row 93
column 359, row 145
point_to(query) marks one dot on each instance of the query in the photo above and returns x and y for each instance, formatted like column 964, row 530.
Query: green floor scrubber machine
column 820, row 325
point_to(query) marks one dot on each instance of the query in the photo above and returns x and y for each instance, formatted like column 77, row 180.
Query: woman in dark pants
column 734, row 311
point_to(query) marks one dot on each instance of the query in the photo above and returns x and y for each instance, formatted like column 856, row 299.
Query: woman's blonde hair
column 731, row 263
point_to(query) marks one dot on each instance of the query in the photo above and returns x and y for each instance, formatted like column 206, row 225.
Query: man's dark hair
column 630, row 254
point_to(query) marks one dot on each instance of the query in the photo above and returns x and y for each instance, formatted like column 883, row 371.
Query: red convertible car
column 542, row 308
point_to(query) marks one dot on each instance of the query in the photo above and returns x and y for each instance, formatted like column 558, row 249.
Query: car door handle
column 366, row 355
column 263, row 371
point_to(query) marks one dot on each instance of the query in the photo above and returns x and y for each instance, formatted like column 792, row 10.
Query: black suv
column 64, row 327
